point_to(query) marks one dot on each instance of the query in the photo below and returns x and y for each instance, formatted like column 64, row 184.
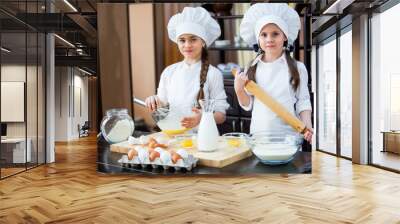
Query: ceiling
column 76, row 22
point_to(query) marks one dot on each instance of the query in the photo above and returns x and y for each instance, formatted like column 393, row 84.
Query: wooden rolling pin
column 275, row 106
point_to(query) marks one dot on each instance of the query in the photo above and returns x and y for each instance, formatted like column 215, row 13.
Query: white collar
column 191, row 66
column 281, row 60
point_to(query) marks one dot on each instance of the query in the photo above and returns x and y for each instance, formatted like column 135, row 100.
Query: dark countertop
column 107, row 162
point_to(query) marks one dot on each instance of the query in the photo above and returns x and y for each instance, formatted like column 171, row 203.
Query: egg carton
column 189, row 163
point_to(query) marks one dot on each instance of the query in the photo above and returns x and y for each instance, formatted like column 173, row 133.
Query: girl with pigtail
column 193, row 78
column 272, row 28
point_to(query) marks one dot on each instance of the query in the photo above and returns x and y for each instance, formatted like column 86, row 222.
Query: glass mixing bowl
column 186, row 141
column 275, row 148
column 235, row 139
column 169, row 119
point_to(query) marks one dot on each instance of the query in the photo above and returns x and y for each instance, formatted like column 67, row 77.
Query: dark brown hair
column 294, row 72
column 203, row 72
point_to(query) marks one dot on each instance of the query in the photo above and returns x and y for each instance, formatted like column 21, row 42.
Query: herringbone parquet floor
column 71, row 191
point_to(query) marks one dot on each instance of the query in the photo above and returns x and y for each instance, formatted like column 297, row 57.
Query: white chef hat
column 261, row 14
column 196, row 21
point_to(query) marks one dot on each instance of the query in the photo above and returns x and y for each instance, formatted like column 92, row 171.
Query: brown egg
column 153, row 144
column 150, row 149
column 132, row 153
column 162, row 146
column 175, row 157
column 152, row 140
column 154, row 155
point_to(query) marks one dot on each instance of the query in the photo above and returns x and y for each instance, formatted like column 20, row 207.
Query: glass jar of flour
column 117, row 125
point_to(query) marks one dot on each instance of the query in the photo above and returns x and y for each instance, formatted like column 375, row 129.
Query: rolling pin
column 275, row 106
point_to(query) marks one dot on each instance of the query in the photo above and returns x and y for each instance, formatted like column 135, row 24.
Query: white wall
column 12, row 73
column 61, row 103
column 12, row 100
column 16, row 73
column 71, row 87
column 79, row 117
column 33, row 126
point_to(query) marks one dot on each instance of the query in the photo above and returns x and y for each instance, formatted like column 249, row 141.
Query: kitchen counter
column 107, row 162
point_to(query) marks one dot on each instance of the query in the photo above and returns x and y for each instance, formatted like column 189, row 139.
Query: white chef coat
column 274, row 78
column 180, row 84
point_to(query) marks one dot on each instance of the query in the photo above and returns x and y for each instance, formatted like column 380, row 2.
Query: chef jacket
column 180, row 84
column 274, row 78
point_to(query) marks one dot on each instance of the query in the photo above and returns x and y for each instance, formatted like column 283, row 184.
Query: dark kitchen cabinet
column 237, row 120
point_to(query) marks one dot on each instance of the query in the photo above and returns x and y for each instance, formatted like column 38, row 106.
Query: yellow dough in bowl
column 187, row 143
column 234, row 142
column 175, row 132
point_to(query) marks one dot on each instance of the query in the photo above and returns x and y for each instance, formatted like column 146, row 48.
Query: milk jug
column 207, row 136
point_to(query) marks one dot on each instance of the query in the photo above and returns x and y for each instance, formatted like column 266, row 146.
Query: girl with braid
column 193, row 78
column 272, row 28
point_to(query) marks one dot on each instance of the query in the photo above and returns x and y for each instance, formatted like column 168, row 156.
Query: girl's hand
column 240, row 81
column 153, row 102
column 308, row 134
column 192, row 121
column 305, row 116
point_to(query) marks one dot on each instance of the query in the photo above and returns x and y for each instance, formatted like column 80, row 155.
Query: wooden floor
column 71, row 191
column 5, row 172
column 387, row 159
column 10, row 171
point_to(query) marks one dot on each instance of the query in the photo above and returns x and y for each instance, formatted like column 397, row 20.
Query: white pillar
column 360, row 90
column 50, row 99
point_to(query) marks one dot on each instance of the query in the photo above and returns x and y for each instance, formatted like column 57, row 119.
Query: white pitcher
column 207, row 136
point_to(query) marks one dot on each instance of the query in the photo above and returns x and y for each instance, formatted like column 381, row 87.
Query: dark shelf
column 229, row 17
column 229, row 48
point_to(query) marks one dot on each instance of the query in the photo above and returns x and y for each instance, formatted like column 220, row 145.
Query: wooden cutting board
column 221, row 157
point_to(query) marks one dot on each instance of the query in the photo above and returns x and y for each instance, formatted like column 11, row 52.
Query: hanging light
column 5, row 50
column 70, row 5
